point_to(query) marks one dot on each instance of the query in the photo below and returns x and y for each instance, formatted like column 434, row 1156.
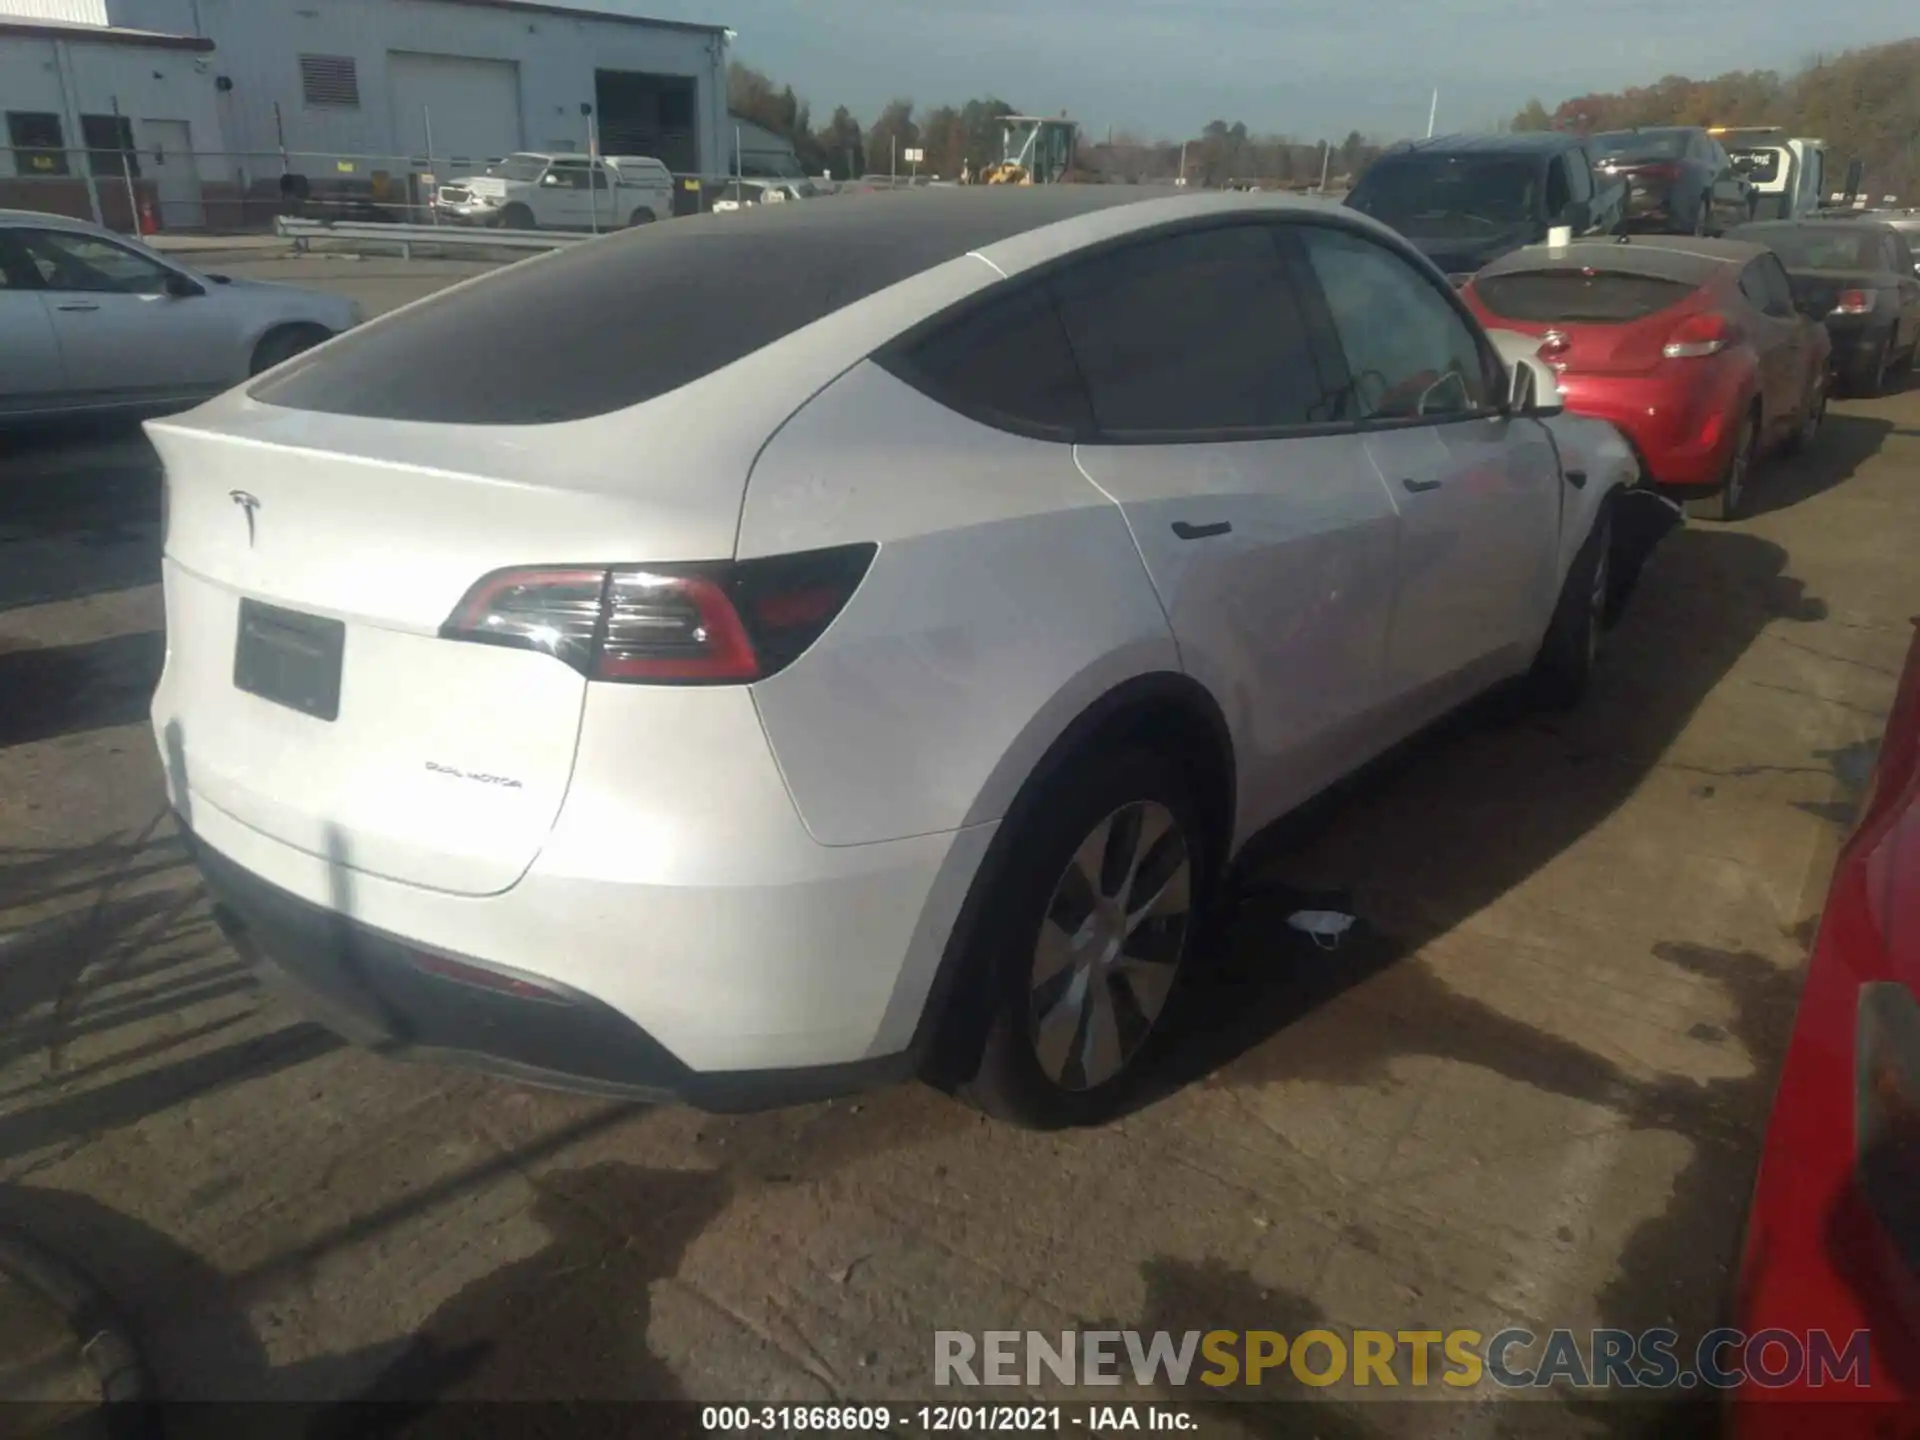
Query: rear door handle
column 1421, row 487
column 1201, row 532
column 77, row 307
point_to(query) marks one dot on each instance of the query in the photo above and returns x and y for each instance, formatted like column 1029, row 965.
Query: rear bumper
column 1856, row 341
column 376, row 989
column 1655, row 205
column 1680, row 446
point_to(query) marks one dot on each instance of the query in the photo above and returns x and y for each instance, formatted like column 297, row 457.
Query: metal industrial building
column 354, row 95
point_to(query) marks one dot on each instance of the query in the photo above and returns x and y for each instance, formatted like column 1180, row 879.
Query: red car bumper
column 1820, row 1253
column 1684, row 436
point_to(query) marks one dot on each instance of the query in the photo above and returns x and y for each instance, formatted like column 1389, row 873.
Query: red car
column 1690, row 346
column 1833, row 1242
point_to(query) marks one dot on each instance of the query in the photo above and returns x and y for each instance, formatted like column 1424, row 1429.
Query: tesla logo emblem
column 1553, row 340
column 248, row 503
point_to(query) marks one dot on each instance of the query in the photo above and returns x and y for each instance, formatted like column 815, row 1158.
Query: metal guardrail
column 303, row 231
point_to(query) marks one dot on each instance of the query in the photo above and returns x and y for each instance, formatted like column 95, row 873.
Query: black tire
column 1703, row 217
column 1871, row 378
column 1010, row 1082
column 1564, row 666
column 1731, row 493
column 1812, row 418
column 278, row 346
column 517, row 217
column 642, row 216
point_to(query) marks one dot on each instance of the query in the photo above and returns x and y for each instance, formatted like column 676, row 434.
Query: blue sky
column 1166, row 67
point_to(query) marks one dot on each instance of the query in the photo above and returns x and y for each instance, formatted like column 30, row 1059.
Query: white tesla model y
column 750, row 658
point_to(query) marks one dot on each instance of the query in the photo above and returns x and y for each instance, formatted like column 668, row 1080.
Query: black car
column 1466, row 200
column 1859, row 277
column 1680, row 180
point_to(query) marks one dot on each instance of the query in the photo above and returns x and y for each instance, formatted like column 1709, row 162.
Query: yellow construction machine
column 1034, row 150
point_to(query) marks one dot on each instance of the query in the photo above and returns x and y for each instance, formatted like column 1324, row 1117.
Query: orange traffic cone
column 149, row 222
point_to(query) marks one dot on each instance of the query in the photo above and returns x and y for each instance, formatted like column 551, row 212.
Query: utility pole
column 1433, row 113
column 433, row 183
column 1326, row 160
column 593, row 165
column 126, row 166
column 73, row 128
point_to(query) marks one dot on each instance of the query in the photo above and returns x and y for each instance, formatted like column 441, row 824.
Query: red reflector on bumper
column 481, row 978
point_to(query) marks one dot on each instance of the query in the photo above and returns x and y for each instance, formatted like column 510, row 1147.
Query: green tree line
column 970, row 134
column 1864, row 103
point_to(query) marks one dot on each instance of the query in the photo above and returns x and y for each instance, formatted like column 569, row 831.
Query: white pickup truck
column 559, row 192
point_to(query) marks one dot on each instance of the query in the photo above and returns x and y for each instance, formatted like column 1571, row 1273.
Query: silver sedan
column 91, row 321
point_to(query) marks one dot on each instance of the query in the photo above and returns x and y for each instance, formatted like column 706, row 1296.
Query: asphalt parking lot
column 1530, row 1092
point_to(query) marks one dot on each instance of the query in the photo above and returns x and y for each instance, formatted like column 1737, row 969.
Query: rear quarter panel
column 1007, row 596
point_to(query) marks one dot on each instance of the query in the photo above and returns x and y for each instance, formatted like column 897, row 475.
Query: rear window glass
column 1629, row 146
column 1818, row 249
column 615, row 322
column 1577, row 297
column 1438, row 195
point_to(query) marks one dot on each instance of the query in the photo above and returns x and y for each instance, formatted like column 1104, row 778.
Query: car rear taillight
column 726, row 623
column 1656, row 172
column 1887, row 1111
column 1698, row 335
column 1853, row 302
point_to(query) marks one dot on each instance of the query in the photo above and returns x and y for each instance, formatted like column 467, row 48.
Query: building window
column 330, row 80
column 38, row 148
column 110, row 151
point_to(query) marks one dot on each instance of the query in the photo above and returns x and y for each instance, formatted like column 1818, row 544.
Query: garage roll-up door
column 474, row 105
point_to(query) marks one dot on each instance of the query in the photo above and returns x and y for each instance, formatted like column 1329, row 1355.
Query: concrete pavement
column 1531, row 1093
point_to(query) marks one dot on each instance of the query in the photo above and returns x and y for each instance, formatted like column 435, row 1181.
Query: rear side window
column 1004, row 362
column 1576, row 297
column 1192, row 334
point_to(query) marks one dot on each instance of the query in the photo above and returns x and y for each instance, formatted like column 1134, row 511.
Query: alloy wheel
column 1110, row 946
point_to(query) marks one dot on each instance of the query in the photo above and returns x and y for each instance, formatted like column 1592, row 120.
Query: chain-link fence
column 153, row 190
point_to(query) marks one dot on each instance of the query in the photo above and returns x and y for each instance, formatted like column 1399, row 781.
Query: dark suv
column 1466, row 200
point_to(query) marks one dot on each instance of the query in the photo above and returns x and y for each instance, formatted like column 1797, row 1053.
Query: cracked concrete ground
column 1531, row 1093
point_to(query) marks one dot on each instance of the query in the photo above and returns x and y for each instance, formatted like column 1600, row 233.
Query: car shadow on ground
column 79, row 512
column 1466, row 812
column 69, row 689
column 1845, row 443
column 1455, row 821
